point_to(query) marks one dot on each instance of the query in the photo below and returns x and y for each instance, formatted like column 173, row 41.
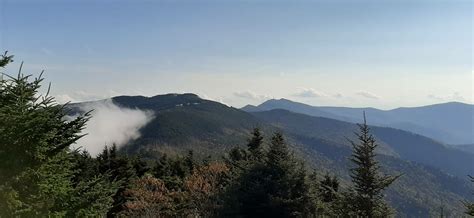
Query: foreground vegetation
column 40, row 174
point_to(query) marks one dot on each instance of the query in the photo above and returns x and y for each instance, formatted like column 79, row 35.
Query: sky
column 380, row 53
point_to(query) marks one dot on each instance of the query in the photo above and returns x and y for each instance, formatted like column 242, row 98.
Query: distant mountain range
column 434, row 175
column 397, row 143
column 450, row 123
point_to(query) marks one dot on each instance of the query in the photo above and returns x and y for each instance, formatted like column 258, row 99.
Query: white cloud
column 218, row 99
column 251, row 95
column 78, row 96
column 310, row 93
column 436, row 97
column 111, row 124
column 205, row 96
column 450, row 97
column 222, row 101
column 64, row 98
column 368, row 95
column 83, row 96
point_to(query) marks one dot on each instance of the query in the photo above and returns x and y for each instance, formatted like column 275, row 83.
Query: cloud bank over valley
column 111, row 124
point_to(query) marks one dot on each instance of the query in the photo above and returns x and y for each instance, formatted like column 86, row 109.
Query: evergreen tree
column 5, row 59
column 239, row 159
column 255, row 143
column 287, row 186
column 140, row 165
column 329, row 188
column 276, row 186
column 189, row 161
column 118, row 166
column 368, row 184
column 120, row 169
column 173, row 170
column 161, row 167
column 37, row 176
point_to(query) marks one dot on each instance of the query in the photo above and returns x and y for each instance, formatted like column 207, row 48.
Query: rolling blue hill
column 449, row 123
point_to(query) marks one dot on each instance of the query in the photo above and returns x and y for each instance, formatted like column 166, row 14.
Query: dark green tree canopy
column 38, row 174
column 255, row 144
column 368, row 183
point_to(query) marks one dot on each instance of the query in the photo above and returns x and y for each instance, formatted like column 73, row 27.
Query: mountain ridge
column 187, row 122
column 450, row 123
column 348, row 107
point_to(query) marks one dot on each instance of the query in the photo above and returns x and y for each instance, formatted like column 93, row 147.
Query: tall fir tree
column 120, row 169
column 189, row 161
column 329, row 188
column 287, row 187
column 255, row 144
column 37, row 176
column 240, row 159
column 276, row 186
column 368, row 183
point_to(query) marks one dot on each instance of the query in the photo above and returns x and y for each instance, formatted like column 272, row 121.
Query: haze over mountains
column 434, row 173
column 450, row 123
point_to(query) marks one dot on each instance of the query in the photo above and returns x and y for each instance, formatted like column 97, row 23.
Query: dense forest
column 42, row 175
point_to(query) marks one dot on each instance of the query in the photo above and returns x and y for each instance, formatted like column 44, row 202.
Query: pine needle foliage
column 37, row 176
column 368, row 183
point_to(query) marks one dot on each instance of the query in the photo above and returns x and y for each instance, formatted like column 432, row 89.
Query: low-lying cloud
column 368, row 95
column 310, row 93
column 79, row 96
column 251, row 95
column 111, row 124
column 453, row 97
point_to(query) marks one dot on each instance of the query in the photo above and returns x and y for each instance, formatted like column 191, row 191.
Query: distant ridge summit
column 158, row 101
column 250, row 108
column 451, row 123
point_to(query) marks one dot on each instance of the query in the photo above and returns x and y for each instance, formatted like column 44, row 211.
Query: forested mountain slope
column 394, row 142
column 183, row 122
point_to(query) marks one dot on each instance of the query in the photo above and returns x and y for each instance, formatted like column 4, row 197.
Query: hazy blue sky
column 353, row 53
